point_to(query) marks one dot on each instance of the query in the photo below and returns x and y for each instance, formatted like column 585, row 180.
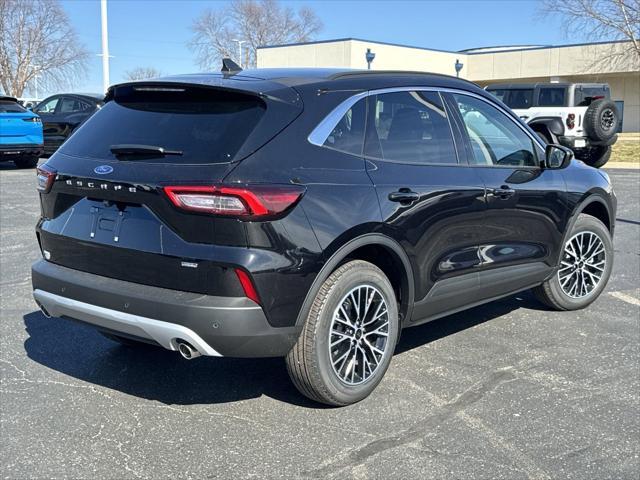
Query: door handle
column 404, row 195
column 504, row 192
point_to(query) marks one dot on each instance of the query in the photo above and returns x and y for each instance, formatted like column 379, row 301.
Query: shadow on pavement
column 156, row 374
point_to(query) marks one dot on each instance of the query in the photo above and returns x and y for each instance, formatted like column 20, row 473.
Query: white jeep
column 580, row 116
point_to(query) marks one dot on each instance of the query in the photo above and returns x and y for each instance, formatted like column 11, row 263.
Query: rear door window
column 520, row 98
column 410, row 127
column 72, row 105
column 552, row 97
column 206, row 125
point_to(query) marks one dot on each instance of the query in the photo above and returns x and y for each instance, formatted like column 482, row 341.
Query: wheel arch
column 380, row 250
column 594, row 205
column 551, row 126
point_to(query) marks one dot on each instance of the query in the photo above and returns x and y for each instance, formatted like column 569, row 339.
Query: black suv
column 310, row 214
column 62, row 114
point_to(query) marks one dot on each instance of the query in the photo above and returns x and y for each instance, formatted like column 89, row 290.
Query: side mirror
column 557, row 157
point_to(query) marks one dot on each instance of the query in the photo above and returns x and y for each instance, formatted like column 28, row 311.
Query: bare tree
column 256, row 23
column 602, row 20
column 142, row 73
column 37, row 40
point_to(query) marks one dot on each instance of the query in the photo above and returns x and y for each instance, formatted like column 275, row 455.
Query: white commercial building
column 589, row 62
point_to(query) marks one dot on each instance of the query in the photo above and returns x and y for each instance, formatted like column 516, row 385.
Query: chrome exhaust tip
column 187, row 350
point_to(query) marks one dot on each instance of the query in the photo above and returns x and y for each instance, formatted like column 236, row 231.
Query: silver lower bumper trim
column 164, row 333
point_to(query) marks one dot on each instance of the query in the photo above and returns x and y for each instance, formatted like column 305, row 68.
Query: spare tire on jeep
column 601, row 120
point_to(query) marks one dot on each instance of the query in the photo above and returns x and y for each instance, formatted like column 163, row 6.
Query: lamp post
column 240, row 42
column 35, row 77
column 105, row 46
column 369, row 56
column 458, row 66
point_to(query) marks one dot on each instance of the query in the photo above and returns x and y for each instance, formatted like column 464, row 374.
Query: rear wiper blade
column 142, row 150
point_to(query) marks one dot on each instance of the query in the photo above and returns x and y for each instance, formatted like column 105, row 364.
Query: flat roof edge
column 458, row 52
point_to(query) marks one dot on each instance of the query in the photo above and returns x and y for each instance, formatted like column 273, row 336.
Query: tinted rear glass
column 11, row 107
column 585, row 95
column 206, row 125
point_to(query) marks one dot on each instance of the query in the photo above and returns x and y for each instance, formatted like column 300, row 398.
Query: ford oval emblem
column 103, row 169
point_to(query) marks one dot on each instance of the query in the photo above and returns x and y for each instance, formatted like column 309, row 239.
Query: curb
column 628, row 165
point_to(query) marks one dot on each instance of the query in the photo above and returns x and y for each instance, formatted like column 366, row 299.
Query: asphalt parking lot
column 507, row 390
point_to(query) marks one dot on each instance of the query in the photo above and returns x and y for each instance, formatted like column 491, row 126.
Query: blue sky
column 155, row 33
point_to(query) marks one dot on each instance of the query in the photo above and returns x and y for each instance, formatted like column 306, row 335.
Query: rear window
column 204, row 124
column 585, row 95
column 11, row 107
column 514, row 98
column 552, row 97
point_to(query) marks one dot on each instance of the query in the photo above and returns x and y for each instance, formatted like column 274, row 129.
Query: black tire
column 601, row 120
column 27, row 161
column 127, row 342
column 551, row 292
column 596, row 156
column 310, row 364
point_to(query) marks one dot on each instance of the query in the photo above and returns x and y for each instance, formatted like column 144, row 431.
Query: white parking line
column 625, row 298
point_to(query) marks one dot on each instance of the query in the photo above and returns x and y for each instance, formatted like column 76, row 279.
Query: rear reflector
column 247, row 285
column 46, row 175
column 242, row 201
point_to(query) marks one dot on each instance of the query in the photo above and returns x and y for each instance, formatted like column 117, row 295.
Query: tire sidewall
column 26, row 161
column 592, row 123
column 585, row 223
column 597, row 156
column 371, row 276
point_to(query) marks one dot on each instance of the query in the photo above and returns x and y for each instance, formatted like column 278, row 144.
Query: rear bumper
column 215, row 326
column 8, row 151
column 585, row 142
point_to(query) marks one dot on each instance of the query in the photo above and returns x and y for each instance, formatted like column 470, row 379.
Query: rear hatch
column 18, row 126
column 105, row 207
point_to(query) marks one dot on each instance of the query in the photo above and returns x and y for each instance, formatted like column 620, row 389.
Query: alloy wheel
column 359, row 334
column 583, row 265
column 608, row 119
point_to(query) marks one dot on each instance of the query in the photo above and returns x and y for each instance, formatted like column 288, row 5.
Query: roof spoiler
column 229, row 66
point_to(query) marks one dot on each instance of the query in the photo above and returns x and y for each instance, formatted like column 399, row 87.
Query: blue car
column 21, row 139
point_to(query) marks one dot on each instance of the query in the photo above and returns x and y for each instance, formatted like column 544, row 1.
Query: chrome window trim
column 321, row 132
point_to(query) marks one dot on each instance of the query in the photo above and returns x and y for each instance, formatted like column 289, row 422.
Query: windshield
column 205, row 125
column 11, row 107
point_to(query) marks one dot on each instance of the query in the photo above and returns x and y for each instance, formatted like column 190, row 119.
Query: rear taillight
column 247, row 285
column 46, row 176
column 571, row 121
column 238, row 201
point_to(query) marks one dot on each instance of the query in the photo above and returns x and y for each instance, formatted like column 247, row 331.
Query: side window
column 409, row 127
column 348, row 134
column 72, row 105
column 48, row 107
column 551, row 97
column 495, row 138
